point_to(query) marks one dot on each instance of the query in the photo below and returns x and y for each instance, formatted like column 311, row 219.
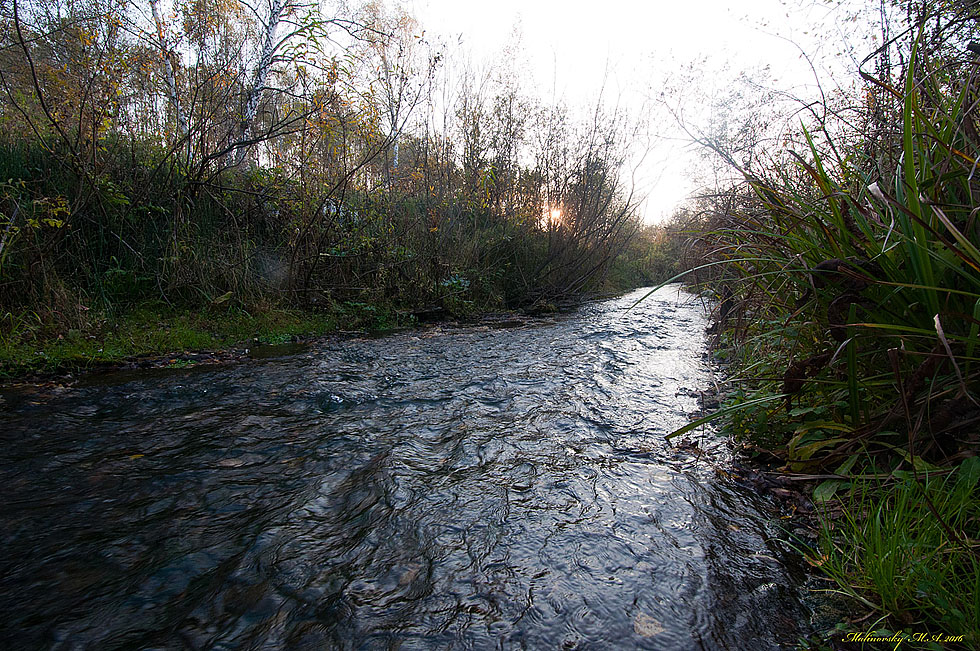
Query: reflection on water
column 449, row 488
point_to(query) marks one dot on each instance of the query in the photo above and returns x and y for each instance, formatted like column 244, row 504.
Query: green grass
column 152, row 330
column 28, row 346
column 852, row 340
column 904, row 551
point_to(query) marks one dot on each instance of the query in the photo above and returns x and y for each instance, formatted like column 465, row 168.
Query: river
column 468, row 487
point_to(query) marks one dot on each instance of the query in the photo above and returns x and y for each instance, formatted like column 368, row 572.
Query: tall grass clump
column 887, row 552
column 858, row 289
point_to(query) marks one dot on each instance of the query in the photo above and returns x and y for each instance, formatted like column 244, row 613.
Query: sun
column 550, row 217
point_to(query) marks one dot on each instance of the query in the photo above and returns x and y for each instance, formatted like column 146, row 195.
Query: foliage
column 899, row 549
column 846, row 268
column 857, row 289
column 650, row 257
column 232, row 152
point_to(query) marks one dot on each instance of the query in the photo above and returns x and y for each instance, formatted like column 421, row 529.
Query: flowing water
column 468, row 488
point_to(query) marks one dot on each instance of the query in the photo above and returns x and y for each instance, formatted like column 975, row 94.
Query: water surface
column 448, row 488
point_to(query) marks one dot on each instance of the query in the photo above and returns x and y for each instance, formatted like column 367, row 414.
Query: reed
column 862, row 294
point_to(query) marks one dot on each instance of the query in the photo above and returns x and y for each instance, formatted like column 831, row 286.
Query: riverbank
column 155, row 336
column 889, row 555
column 848, row 282
column 890, row 542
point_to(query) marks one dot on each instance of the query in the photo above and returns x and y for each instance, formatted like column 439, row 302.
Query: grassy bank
column 899, row 545
column 35, row 346
column 30, row 348
column 847, row 272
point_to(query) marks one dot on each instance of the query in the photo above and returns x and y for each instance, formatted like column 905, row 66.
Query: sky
column 625, row 50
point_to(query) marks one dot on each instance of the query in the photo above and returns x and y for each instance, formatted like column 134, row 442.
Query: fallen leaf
column 646, row 626
column 409, row 575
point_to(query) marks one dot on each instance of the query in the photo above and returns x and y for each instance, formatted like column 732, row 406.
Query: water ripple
column 449, row 488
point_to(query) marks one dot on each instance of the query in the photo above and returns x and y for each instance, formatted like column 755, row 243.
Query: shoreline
column 261, row 345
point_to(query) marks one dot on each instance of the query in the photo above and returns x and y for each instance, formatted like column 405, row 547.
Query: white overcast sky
column 573, row 47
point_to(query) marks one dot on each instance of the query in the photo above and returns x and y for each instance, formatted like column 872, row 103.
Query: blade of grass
column 755, row 402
